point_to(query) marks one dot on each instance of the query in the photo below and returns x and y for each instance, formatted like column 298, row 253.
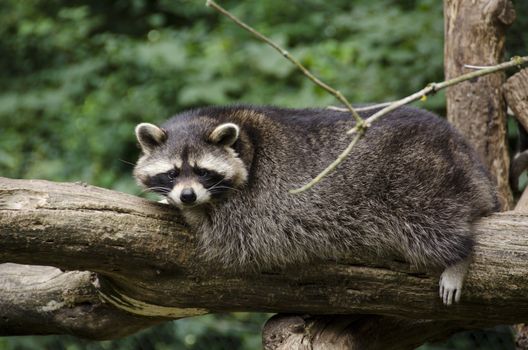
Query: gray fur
column 412, row 187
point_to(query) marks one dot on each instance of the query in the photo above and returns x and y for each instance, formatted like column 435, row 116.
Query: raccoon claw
column 450, row 290
column 451, row 282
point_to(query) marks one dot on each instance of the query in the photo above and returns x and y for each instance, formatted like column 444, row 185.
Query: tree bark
column 46, row 300
column 523, row 201
column 147, row 266
column 475, row 35
column 354, row 332
column 521, row 330
column 516, row 95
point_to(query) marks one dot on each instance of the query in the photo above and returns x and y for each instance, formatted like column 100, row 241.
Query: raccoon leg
column 451, row 282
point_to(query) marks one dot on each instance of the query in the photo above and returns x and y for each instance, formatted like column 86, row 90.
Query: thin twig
column 360, row 109
column 288, row 56
column 434, row 87
column 332, row 166
column 430, row 88
column 470, row 66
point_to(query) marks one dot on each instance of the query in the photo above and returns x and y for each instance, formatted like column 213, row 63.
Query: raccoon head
column 192, row 164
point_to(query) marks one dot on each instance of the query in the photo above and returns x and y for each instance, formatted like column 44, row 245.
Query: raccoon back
column 411, row 187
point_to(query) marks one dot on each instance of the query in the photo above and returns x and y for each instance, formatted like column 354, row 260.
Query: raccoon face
column 190, row 166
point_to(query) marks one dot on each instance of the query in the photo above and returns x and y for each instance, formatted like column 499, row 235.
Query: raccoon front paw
column 450, row 288
column 451, row 282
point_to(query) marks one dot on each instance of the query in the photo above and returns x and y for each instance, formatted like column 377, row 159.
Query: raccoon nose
column 187, row 195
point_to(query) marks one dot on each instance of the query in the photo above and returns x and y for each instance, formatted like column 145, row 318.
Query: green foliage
column 236, row 331
column 498, row 338
column 76, row 76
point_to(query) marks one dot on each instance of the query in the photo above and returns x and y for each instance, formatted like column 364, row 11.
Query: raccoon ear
column 225, row 134
column 150, row 136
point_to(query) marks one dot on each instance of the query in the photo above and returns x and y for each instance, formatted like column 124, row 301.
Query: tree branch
column 45, row 300
column 516, row 94
column 147, row 264
column 365, row 332
column 435, row 87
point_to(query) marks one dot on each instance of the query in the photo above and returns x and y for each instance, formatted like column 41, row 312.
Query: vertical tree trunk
column 475, row 35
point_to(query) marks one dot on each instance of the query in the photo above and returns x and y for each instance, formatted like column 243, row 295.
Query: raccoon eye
column 201, row 172
column 172, row 174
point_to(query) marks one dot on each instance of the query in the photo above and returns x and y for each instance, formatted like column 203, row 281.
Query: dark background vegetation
column 77, row 76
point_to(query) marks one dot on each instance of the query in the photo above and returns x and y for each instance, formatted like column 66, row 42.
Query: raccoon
column 412, row 187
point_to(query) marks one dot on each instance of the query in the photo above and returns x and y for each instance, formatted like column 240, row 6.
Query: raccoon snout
column 187, row 195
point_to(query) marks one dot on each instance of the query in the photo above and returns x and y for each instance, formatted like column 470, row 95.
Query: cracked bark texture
column 475, row 35
column 46, row 300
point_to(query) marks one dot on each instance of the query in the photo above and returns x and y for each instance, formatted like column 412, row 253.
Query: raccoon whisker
column 127, row 162
column 216, row 184
column 163, row 190
column 192, row 206
column 223, row 187
column 215, row 187
column 216, row 192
